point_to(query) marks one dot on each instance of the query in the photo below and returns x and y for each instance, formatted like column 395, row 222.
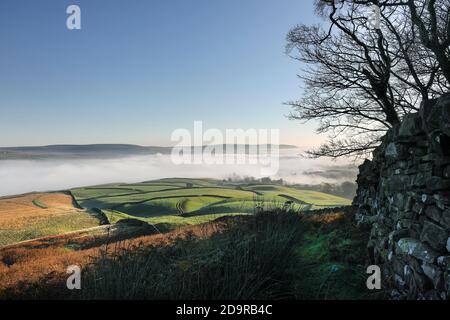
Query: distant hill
column 93, row 151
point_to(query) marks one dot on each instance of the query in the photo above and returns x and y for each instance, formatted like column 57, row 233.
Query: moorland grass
column 247, row 262
column 269, row 255
column 330, row 261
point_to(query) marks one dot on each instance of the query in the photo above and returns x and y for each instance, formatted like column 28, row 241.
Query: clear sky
column 139, row 69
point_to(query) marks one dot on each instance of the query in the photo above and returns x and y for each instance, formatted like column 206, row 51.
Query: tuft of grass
column 248, row 261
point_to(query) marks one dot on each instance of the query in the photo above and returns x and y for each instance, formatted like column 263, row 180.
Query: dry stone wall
column 404, row 194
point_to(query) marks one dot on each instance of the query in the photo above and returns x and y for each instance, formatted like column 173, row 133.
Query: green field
column 176, row 202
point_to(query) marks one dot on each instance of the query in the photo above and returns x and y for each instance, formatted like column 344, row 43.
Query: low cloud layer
column 334, row 172
column 23, row 176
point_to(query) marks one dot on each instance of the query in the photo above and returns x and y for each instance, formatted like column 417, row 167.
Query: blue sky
column 140, row 69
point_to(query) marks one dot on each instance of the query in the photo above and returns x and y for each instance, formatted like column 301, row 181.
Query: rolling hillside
column 173, row 227
column 175, row 202
column 165, row 204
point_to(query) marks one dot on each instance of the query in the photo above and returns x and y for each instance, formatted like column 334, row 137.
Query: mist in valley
column 22, row 176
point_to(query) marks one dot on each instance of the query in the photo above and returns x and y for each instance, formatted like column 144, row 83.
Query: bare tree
column 432, row 19
column 358, row 80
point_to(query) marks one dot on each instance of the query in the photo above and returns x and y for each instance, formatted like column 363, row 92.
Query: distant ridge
column 93, row 151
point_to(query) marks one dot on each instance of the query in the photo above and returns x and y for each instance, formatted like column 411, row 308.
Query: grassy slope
column 40, row 214
column 274, row 255
column 155, row 201
column 169, row 202
column 267, row 256
column 315, row 198
column 170, row 222
column 48, row 226
column 329, row 262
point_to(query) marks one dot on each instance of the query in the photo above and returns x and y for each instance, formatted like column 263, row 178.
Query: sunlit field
column 41, row 214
